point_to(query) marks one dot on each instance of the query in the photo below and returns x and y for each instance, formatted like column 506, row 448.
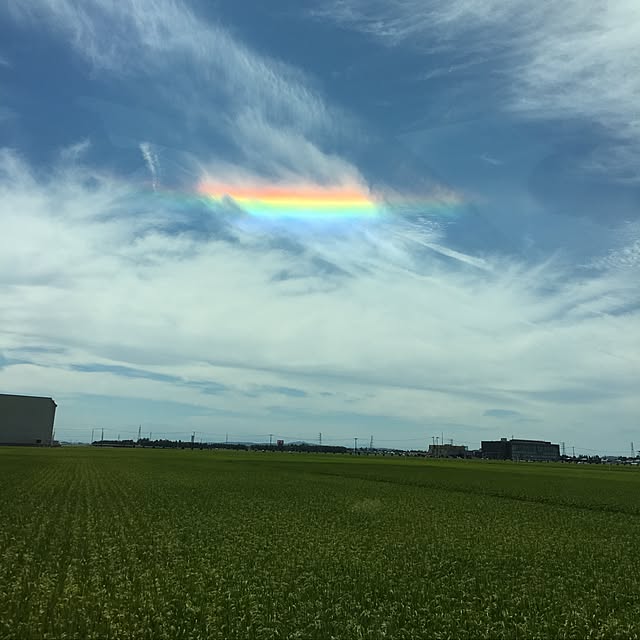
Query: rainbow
column 299, row 201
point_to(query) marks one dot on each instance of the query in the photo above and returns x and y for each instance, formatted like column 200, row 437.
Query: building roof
column 19, row 395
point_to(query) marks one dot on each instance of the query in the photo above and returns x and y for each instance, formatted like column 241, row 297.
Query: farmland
column 192, row 544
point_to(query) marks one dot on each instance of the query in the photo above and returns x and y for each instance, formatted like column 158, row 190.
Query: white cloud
column 485, row 157
column 568, row 59
column 76, row 151
column 397, row 334
column 625, row 251
column 151, row 159
column 195, row 71
column 285, row 152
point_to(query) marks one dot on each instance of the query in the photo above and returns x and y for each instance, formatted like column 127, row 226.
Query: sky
column 359, row 218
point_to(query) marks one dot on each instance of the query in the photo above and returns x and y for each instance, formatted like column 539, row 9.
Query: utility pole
column 270, row 439
column 150, row 435
column 102, row 436
column 226, row 439
column 193, row 437
column 574, row 451
column 320, row 438
column 355, row 445
column 563, row 449
column 633, row 454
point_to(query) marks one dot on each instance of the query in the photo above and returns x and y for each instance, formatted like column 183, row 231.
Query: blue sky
column 496, row 294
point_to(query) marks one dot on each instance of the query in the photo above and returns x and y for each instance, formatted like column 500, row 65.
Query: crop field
column 200, row 544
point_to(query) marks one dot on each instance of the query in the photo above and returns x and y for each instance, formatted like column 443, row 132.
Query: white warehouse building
column 26, row 420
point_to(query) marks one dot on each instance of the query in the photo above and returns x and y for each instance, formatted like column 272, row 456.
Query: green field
column 194, row 544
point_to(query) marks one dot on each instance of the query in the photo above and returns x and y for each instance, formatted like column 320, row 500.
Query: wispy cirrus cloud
column 151, row 158
column 575, row 59
column 180, row 66
column 625, row 252
column 106, row 34
column 202, row 99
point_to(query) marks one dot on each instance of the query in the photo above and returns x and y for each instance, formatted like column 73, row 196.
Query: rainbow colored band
column 296, row 202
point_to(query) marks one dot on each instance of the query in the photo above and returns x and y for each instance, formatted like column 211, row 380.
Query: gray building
column 26, row 420
column 448, row 451
column 517, row 449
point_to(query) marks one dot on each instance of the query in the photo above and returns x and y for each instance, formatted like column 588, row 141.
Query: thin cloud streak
column 151, row 160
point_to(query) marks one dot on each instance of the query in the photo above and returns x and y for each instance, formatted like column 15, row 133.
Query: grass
column 193, row 544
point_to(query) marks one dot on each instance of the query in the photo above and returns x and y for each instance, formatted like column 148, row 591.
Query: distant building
column 495, row 449
column 534, row 450
column 447, row 451
column 26, row 420
column 517, row 449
